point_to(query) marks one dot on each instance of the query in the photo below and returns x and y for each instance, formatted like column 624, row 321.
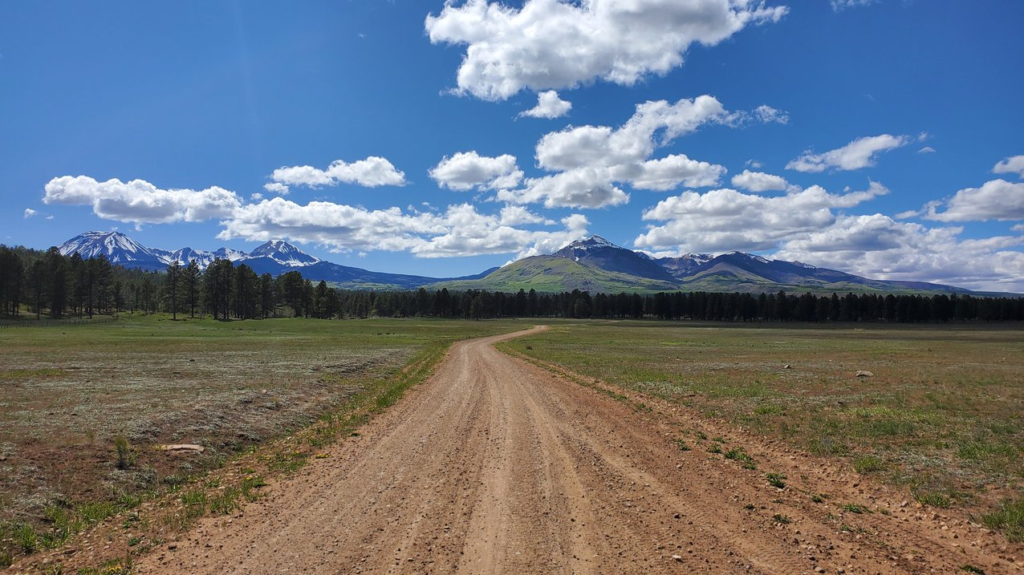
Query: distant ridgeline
column 35, row 284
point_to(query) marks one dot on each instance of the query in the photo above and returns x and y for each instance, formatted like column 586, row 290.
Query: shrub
column 125, row 455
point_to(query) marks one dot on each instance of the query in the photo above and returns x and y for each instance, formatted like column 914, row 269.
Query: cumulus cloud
column 554, row 44
column 549, row 105
column 879, row 247
column 581, row 188
column 467, row 171
column 459, row 231
column 725, row 219
column 858, row 154
column 994, row 200
column 760, row 182
column 29, row 212
column 1014, row 165
column 593, row 161
column 141, row 202
column 371, row 173
column 276, row 188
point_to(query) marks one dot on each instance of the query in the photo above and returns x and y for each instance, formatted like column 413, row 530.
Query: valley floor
column 495, row 465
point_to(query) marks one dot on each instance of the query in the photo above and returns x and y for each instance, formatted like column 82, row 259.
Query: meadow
column 942, row 412
column 82, row 407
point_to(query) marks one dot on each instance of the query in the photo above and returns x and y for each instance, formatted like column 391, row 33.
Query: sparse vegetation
column 1008, row 518
column 941, row 414
column 776, row 480
column 781, row 519
column 225, row 385
column 737, row 454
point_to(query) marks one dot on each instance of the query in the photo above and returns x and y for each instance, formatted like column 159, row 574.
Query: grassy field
column 82, row 407
column 943, row 413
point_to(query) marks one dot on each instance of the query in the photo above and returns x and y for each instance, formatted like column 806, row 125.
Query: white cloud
column 838, row 5
column 1018, row 228
column 878, row 247
column 760, row 182
column 669, row 173
column 926, row 150
column 276, row 188
column 140, row 202
column 580, row 188
column 754, row 164
column 767, row 115
column 467, row 171
column 549, row 105
column 1013, row 165
column 859, row 153
column 518, row 215
column 592, row 161
column 725, row 219
column 256, row 196
column 994, row 200
column 29, row 212
column 459, row 231
column 371, row 173
column 552, row 44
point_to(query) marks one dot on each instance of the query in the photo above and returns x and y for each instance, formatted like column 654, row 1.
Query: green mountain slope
column 550, row 274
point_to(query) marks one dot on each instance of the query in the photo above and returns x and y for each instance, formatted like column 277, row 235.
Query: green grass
column 943, row 415
column 776, row 480
column 868, row 464
column 737, row 454
column 1008, row 518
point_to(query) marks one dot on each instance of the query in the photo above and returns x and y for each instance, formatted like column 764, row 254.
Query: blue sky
column 881, row 138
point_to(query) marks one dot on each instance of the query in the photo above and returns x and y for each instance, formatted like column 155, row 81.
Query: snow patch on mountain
column 121, row 249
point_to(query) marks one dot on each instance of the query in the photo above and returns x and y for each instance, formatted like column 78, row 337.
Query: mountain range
column 593, row 264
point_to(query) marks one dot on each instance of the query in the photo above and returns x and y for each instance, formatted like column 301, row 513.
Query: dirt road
column 497, row 466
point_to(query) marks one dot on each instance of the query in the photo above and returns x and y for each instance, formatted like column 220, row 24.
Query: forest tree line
column 47, row 283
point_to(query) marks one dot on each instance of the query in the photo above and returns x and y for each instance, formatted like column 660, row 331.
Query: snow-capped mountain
column 598, row 252
column 597, row 265
column 682, row 266
column 593, row 264
column 284, row 254
column 121, row 249
column 274, row 258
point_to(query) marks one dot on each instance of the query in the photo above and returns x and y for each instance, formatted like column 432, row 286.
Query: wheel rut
column 497, row 466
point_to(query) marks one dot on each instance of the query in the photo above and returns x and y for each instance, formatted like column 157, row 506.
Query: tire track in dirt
column 497, row 466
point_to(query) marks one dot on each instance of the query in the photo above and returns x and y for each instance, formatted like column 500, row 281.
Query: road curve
column 497, row 466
